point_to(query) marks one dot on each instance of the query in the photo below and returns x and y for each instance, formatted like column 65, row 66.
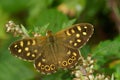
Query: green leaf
column 12, row 6
column 54, row 18
column 36, row 7
column 3, row 18
column 107, row 52
column 108, row 48
column 117, row 73
column 59, row 75
column 69, row 23
column 42, row 29
column 85, row 50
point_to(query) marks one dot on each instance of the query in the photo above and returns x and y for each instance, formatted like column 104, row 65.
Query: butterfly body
column 53, row 51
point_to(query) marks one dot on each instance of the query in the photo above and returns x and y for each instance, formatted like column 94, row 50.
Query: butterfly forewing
column 27, row 49
column 77, row 35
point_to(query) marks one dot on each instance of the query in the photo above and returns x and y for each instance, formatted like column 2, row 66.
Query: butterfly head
column 49, row 33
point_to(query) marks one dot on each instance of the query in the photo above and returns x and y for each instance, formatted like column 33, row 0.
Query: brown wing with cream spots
column 28, row 48
column 46, row 63
column 77, row 35
column 69, row 56
column 56, row 56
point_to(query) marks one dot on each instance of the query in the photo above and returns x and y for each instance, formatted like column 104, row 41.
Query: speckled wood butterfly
column 53, row 51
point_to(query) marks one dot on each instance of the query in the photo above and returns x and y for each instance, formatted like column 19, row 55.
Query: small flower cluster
column 18, row 30
column 36, row 34
column 85, row 71
column 13, row 28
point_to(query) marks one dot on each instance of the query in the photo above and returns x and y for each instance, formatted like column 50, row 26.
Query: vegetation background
column 104, row 46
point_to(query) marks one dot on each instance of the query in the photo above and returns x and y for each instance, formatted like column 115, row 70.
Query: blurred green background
column 104, row 45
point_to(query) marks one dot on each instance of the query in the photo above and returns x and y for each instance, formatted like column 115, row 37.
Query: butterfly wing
column 28, row 48
column 46, row 62
column 76, row 36
column 67, row 57
column 38, row 50
column 54, row 56
column 69, row 40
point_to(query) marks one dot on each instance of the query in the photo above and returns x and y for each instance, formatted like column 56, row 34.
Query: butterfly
column 53, row 51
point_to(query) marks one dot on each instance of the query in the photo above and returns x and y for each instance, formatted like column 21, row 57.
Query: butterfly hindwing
column 69, row 57
column 56, row 56
column 46, row 62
